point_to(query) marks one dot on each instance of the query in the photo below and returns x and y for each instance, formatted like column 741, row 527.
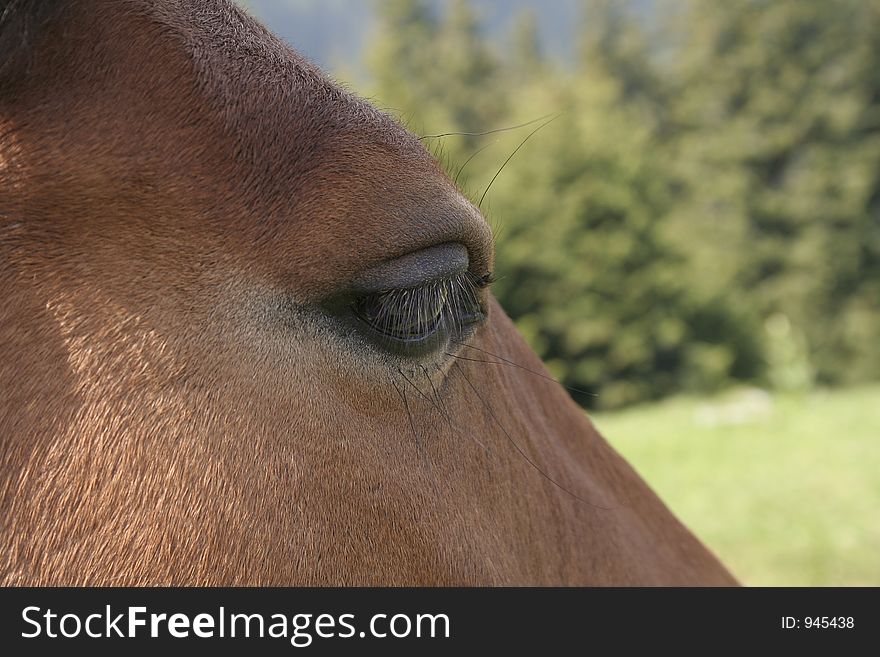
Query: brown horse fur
column 178, row 189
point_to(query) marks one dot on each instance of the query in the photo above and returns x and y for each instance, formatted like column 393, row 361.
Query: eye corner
column 485, row 280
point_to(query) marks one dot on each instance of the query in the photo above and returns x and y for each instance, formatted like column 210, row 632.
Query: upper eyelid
column 412, row 270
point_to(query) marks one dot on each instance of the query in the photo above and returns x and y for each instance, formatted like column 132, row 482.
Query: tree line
column 695, row 198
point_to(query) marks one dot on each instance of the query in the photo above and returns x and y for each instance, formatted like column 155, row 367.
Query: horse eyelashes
column 412, row 314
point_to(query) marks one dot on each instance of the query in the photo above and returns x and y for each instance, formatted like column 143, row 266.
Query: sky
column 333, row 33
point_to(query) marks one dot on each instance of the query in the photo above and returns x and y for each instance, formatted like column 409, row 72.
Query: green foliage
column 705, row 208
column 778, row 154
column 437, row 74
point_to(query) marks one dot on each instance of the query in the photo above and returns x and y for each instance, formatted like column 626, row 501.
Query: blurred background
column 688, row 230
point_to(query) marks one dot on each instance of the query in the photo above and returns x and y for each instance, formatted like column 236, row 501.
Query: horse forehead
column 320, row 164
column 283, row 158
column 262, row 87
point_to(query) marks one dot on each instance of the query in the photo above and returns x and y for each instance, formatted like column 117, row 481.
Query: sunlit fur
column 178, row 191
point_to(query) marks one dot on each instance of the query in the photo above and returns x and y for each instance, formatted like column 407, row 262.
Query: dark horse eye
column 433, row 311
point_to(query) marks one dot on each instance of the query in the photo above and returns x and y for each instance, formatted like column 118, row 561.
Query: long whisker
column 485, row 132
column 440, row 410
column 438, row 405
column 522, row 452
column 416, row 388
column 505, row 361
column 510, row 157
column 472, row 156
column 418, row 443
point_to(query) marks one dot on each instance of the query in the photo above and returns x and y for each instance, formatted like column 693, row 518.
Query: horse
column 247, row 336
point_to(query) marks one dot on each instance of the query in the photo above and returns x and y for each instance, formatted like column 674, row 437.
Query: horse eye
column 433, row 312
column 405, row 314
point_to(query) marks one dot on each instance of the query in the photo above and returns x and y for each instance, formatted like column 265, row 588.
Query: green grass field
column 785, row 489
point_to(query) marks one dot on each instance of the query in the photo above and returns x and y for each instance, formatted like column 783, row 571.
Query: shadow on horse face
column 247, row 336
